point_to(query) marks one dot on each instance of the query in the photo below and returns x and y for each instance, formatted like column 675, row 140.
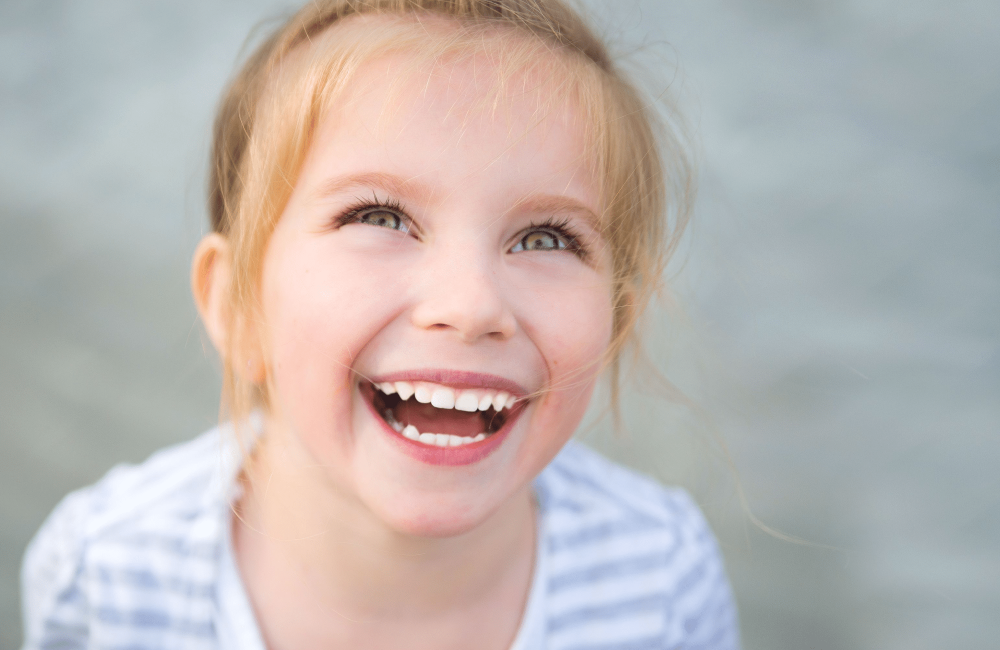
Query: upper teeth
column 443, row 397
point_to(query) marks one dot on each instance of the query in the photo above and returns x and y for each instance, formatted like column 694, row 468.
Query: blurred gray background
column 840, row 288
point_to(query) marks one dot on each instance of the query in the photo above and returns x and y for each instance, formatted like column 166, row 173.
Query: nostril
column 465, row 310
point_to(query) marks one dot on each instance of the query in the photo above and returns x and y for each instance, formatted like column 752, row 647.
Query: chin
column 433, row 514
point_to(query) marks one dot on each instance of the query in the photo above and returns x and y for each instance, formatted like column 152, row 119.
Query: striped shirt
column 142, row 560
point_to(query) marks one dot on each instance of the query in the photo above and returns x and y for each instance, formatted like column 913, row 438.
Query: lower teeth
column 439, row 439
column 431, row 439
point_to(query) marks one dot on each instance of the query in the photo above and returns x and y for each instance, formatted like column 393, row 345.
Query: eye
column 382, row 217
column 540, row 240
column 374, row 212
column 550, row 235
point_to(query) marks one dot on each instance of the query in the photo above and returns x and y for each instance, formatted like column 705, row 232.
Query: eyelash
column 561, row 228
column 358, row 208
column 558, row 227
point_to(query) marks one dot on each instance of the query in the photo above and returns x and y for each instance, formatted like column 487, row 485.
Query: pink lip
column 451, row 456
column 455, row 379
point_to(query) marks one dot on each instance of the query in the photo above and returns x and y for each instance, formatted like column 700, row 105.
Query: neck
column 300, row 536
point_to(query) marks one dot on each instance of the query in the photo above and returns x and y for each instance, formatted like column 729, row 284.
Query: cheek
column 306, row 382
column 322, row 297
column 573, row 330
column 573, row 333
column 319, row 313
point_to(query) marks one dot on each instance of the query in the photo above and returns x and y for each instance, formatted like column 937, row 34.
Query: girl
column 434, row 223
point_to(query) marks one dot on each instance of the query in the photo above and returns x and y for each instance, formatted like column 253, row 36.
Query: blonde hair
column 268, row 113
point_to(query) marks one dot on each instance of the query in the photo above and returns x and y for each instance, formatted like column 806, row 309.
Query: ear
column 210, row 273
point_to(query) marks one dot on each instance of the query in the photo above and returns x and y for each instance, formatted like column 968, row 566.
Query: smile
column 435, row 415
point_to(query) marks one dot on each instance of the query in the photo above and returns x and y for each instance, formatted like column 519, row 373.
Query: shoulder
column 623, row 549
column 171, row 485
column 139, row 529
column 581, row 481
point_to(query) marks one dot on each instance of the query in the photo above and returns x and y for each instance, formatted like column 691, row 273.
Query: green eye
column 382, row 218
column 539, row 240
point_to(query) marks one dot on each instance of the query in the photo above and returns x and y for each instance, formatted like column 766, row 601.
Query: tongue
column 429, row 419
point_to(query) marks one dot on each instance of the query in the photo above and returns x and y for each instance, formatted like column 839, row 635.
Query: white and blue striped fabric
column 142, row 560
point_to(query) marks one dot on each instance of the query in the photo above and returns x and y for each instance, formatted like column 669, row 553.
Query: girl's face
column 444, row 250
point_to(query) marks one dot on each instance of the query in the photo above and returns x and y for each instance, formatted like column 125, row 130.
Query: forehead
column 453, row 121
column 391, row 65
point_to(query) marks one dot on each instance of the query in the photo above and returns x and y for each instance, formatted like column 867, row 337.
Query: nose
column 460, row 292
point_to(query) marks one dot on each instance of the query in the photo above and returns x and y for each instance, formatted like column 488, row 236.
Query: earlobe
column 210, row 273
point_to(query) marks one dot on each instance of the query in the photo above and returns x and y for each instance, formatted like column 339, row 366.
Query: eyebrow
column 558, row 204
column 388, row 183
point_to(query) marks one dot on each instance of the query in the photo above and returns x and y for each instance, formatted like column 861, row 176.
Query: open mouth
column 441, row 416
